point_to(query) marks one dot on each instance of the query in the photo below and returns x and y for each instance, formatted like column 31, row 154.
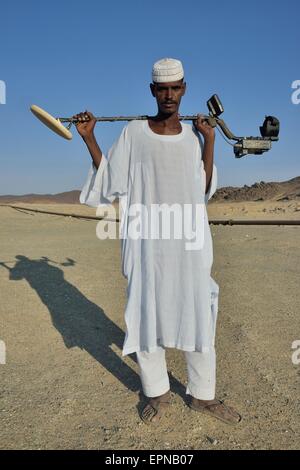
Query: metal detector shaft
column 190, row 117
column 129, row 118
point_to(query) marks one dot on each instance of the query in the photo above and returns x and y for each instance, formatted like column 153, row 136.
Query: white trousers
column 201, row 369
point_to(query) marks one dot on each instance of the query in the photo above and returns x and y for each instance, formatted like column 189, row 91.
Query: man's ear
column 152, row 87
column 184, row 89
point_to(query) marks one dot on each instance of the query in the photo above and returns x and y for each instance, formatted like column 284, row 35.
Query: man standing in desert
column 172, row 298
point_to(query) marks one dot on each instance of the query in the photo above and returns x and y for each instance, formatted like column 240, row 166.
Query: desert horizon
column 258, row 191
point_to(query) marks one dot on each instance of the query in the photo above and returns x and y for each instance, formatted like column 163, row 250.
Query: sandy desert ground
column 65, row 384
column 270, row 209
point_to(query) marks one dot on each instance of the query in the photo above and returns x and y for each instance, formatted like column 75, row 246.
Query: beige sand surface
column 65, row 384
column 217, row 210
column 255, row 210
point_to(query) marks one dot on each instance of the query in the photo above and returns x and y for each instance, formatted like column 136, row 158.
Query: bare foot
column 217, row 409
column 155, row 408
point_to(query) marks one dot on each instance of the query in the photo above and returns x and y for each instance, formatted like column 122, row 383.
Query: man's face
column 168, row 95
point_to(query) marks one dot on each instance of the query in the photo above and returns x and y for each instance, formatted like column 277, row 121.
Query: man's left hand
column 204, row 128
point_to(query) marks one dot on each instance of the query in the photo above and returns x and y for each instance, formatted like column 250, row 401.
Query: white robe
column 172, row 300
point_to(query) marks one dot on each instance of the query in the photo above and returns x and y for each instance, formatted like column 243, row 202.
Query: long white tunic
column 172, row 300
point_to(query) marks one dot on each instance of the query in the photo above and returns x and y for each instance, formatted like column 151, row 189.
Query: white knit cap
column 167, row 70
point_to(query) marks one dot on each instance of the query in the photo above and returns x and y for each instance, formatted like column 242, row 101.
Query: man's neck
column 165, row 123
column 167, row 120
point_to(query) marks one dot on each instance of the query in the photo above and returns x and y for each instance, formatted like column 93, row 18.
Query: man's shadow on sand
column 80, row 322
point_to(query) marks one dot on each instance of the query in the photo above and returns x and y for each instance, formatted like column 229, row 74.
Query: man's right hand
column 85, row 129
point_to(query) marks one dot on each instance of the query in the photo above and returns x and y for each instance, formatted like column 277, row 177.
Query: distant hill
column 69, row 197
column 283, row 191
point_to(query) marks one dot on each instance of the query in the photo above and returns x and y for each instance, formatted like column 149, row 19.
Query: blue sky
column 71, row 56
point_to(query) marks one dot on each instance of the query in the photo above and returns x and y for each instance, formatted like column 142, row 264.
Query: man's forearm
column 208, row 159
column 94, row 149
